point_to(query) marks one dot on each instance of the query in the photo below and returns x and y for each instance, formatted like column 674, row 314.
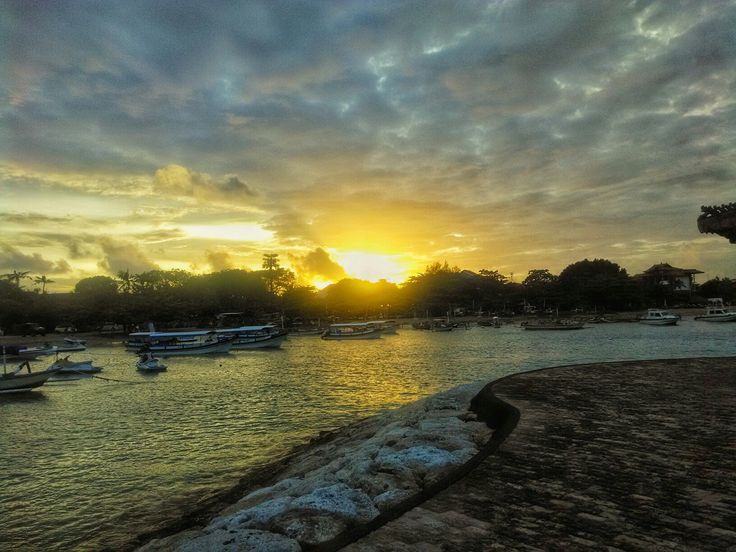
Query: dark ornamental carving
column 719, row 219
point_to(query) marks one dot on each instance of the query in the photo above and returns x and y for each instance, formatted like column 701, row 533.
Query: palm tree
column 126, row 281
column 43, row 280
column 16, row 277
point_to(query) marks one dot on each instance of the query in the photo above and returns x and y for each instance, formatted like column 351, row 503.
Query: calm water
column 87, row 464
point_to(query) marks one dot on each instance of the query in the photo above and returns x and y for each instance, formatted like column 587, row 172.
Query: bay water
column 88, row 464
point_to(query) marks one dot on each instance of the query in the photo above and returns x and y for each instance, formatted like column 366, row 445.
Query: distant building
column 663, row 274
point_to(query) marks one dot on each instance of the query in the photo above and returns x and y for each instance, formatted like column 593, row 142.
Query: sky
column 363, row 138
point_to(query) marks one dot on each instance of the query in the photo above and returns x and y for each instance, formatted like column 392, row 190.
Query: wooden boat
column 716, row 312
column 166, row 344
column 352, row 330
column 254, row 337
column 17, row 381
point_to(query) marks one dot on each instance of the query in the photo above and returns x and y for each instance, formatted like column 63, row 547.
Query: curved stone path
column 621, row 456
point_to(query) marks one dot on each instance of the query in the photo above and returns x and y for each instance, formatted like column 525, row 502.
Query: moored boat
column 18, row 382
column 387, row 327
column 148, row 363
column 166, row 344
column 66, row 366
column 254, row 337
column 351, row 330
column 555, row 324
column 717, row 312
column 659, row 317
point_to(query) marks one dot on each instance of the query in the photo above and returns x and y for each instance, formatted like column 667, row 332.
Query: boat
column 494, row 322
column 554, row 324
column 148, row 363
column 166, row 344
column 71, row 345
column 351, row 330
column 422, row 325
column 717, row 312
column 67, row 366
column 17, row 381
column 387, row 327
column 255, row 337
column 441, row 325
column 22, row 352
column 659, row 317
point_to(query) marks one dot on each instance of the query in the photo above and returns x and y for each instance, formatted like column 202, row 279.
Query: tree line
column 177, row 298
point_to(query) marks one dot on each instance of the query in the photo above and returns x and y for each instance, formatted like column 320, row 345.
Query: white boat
column 659, row 317
column 255, row 337
column 149, row 363
column 352, row 330
column 17, row 381
column 66, row 366
column 71, row 345
column 22, row 352
column 166, row 344
column 717, row 312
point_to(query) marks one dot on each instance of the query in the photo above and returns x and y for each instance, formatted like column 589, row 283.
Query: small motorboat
column 659, row 317
column 148, row 363
column 67, row 366
column 717, row 312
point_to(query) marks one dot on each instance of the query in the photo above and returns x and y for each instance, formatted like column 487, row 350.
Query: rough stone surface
column 620, row 456
column 349, row 478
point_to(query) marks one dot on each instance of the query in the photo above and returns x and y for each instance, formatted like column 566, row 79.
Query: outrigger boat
column 17, row 382
column 352, row 330
column 254, row 337
column 166, row 344
column 716, row 312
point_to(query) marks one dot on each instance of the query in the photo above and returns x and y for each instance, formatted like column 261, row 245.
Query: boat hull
column 178, row 350
column 665, row 322
column 18, row 383
column 375, row 334
column 717, row 317
column 259, row 342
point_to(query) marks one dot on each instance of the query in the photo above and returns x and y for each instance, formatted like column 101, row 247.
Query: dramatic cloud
column 123, row 256
column 318, row 263
column 177, row 180
column 13, row 259
column 219, row 260
column 510, row 134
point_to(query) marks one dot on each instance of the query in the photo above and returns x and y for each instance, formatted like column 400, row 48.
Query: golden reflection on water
column 90, row 464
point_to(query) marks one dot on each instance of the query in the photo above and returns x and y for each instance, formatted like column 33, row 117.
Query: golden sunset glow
column 372, row 266
column 356, row 149
column 229, row 232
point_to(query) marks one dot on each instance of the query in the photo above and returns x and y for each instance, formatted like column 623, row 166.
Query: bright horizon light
column 231, row 232
column 372, row 266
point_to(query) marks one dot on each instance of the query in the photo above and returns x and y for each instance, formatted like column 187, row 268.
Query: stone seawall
column 617, row 456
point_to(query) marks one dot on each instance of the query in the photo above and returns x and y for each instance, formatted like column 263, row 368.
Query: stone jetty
column 608, row 456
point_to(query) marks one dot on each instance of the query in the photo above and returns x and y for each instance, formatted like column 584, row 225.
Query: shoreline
column 288, row 503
